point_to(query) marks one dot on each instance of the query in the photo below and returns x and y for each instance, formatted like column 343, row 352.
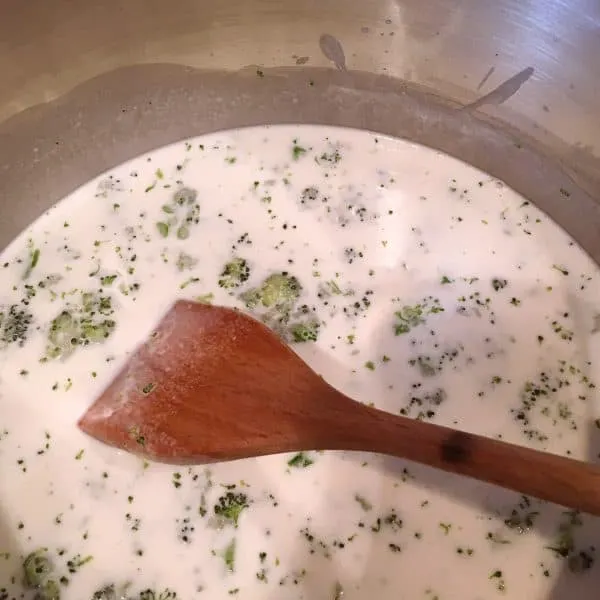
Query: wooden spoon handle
column 564, row 481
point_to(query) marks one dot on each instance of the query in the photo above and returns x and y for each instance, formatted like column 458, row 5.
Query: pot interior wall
column 509, row 86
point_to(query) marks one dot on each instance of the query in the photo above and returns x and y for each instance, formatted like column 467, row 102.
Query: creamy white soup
column 421, row 285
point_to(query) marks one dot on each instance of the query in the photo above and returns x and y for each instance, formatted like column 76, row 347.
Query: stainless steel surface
column 85, row 85
column 511, row 86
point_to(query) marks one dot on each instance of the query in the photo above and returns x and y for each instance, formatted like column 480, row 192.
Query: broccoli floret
column 14, row 324
column 408, row 317
column 305, row 332
column 234, row 273
column 251, row 298
column 182, row 212
column 63, row 335
column 37, row 571
column 185, row 261
column 185, row 196
column 49, row 591
column 300, row 460
column 412, row 316
column 109, row 592
column 106, row 593
column 107, row 279
column 274, row 301
column 37, row 567
column 166, row 594
column 80, row 326
column 230, row 506
column 279, row 290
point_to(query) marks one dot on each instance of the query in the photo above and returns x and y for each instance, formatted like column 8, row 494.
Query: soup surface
column 418, row 284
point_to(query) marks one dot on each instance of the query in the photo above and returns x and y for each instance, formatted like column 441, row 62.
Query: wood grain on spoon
column 212, row 384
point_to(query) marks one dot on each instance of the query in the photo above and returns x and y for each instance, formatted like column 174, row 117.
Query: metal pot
column 510, row 86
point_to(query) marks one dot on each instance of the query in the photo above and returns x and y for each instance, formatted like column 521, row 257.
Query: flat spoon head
column 209, row 384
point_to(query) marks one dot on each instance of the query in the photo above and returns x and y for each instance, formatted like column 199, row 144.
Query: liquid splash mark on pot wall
column 504, row 91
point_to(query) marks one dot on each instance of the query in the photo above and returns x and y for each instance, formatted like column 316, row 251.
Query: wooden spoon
column 213, row 384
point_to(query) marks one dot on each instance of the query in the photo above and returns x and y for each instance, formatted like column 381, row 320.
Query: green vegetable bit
column 80, row 325
column 297, row 151
column 300, row 461
column 14, row 325
column 149, row 387
column 229, row 556
column 205, row 298
column 106, row 593
column 37, row 568
column 163, row 228
column 408, row 317
column 185, row 196
column 305, row 332
column 185, row 261
column 278, row 290
column 109, row 592
column 34, row 257
column 49, row 591
column 274, row 301
column 107, row 280
column 166, row 594
column 38, row 573
column 230, row 506
column 183, row 233
column 234, row 273
column 413, row 316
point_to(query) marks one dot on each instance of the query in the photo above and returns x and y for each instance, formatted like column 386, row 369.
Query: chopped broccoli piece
column 205, row 298
column 183, row 233
column 148, row 388
column 274, row 301
column 14, row 324
column 163, row 228
column 37, row 568
column 412, row 316
column 166, row 594
column 78, row 561
column 107, row 279
column 185, row 196
column 48, row 591
column 106, row 593
column 297, row 151
column 63, row 335
column 300, row 461
column 34, row 257
column 109, row 592
column 251, row 298
column 80, row 326
column 229, row 556
column 408, row 317
column 183, row 211
column 305, row 332
column 230, row 506
column 234, row 273
column 278, row 290
column 185, row 261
